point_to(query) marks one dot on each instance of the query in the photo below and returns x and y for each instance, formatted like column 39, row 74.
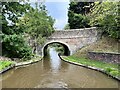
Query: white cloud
column 58, row 9
column 60, row 23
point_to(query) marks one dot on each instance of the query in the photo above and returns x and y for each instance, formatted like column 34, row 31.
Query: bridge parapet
column 74, row 33
column 74, row 39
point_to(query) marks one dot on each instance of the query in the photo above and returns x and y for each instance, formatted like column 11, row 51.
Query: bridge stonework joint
column 73, row 39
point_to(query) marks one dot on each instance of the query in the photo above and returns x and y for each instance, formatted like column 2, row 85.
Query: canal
column 51, row 72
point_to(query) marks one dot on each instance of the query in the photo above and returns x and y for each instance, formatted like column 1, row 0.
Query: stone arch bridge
column 73, row 39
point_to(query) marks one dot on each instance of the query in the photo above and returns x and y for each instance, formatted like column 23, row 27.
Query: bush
column 109, row 69
column 114, row 73
column 4, row 64
column 14, row 46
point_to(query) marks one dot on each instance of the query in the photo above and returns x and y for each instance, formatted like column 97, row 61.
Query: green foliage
column 4, row 64
column 78, row 21
column 115, row 73
column 101, row 14
column 106, row 16
column 20, row 21
column 14, row 46
column 60, row 50
column 80, row 7
column 37, row 23
column 77, row 14
column 112, row 71
column 58, row 47
column 66, row 27
column 13, row 42
column 109, row 68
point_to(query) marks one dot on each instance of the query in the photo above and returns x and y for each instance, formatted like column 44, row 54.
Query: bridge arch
column 66, row 47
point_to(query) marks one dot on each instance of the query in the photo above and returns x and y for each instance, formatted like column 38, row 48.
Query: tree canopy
column 77, row 14
column 13, row 43
column 21, row 20
column 38, row 24
column 106, row 16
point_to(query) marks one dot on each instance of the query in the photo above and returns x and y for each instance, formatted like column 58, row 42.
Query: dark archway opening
column 66, row 49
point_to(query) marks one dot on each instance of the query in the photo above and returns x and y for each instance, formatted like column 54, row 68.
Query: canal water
column 55, row 73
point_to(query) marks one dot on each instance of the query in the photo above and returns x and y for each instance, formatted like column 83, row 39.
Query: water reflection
column 52, row 72
column 54, row 59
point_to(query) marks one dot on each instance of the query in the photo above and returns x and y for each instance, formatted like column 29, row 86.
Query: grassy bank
column 111, row 69
column 5, row 64
column 105, row 44
column 30, row 61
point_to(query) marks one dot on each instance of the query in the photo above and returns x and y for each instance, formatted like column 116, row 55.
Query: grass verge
column 109, row 68
column 5, row 64
column 105, row 45
column 29, row 61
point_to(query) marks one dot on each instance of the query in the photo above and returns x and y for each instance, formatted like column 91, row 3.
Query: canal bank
column 88, row 65
column 52, row 72
column 102, row 56
column 14, row 64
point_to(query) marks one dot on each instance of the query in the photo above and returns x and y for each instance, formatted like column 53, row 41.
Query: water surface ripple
column 55, row 73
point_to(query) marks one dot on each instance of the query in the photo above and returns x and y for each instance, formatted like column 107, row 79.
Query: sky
column 58, row 9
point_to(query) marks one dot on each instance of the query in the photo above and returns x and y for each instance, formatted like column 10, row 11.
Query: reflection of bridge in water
column 52, row 72
column 73, row 39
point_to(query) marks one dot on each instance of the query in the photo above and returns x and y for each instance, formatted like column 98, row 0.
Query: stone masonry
column 74, row 39
column 106, row 57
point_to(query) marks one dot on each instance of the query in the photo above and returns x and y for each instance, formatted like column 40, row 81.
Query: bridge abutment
column 73, row 39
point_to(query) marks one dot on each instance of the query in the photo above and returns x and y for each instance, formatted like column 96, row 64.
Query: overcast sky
column 58, row 9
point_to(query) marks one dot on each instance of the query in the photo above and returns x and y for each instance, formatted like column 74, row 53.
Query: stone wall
column 74, row 38
column 75, row 33
column 105, row 57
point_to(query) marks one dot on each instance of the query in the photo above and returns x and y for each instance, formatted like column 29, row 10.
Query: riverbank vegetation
column 4, row 64
column 23, row 62
column 104, row 15
column 8, row 64
column 105, row 44
column 77, row 15
column 59, row 48
column 106, row 18
column 111, row 69
column 24, row 28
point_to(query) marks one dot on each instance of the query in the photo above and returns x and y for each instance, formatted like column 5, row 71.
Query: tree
column 106, row 16
column 67, row 27
column 37, row 24
column 78, row 21
column 80, row 7
column 13, row 42
column 77, row 14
